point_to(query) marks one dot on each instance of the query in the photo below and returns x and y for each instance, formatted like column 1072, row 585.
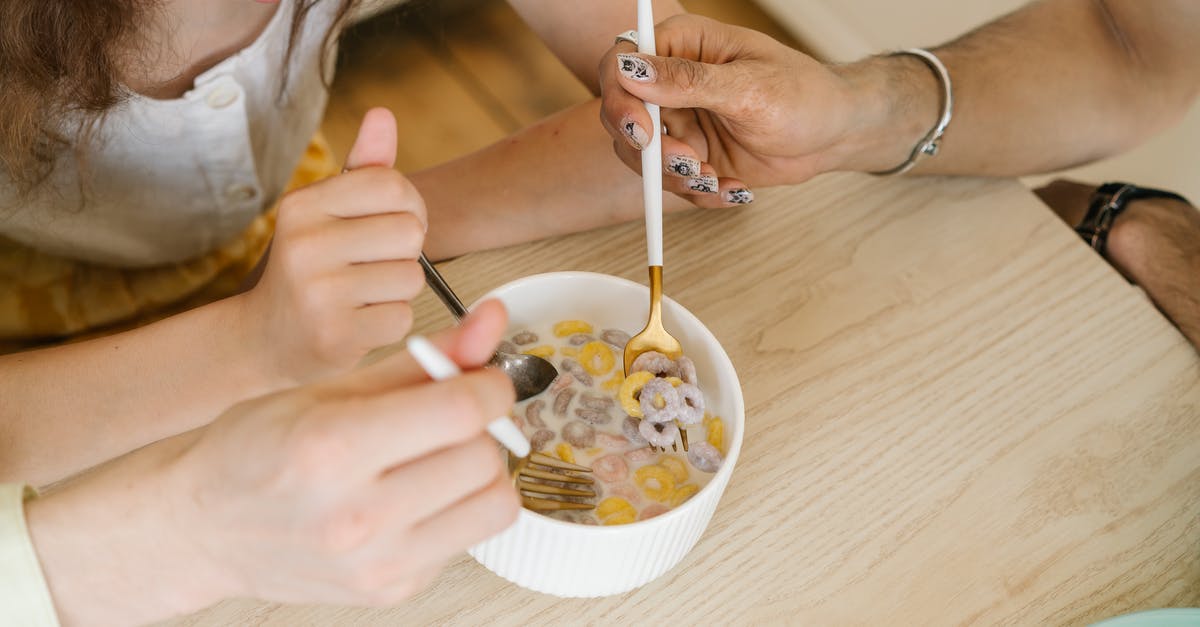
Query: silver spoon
column 530, row 374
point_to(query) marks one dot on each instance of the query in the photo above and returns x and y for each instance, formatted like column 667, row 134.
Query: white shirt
column 170, row 180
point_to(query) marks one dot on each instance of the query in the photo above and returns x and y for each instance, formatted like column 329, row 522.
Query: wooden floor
column 461, row 80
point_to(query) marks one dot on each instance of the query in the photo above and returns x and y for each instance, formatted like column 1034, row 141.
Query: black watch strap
column 1109, row 201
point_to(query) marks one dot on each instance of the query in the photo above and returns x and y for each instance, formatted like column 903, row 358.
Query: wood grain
column 956, row 413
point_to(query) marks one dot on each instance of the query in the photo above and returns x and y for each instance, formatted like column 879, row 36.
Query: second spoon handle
column 441, row 288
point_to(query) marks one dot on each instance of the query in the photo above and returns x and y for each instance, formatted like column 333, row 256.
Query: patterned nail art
column 683, row 166
column 637, row 136
column 635, row 68
column 703, row 184
column 740, row 196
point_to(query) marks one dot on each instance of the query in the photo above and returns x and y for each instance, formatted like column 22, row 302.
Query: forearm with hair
column 1055, row 84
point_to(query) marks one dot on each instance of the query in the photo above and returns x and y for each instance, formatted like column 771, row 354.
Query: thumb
column 376, row 141
column 677, row 83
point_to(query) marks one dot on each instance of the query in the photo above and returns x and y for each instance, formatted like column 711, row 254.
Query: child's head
column 61, row 57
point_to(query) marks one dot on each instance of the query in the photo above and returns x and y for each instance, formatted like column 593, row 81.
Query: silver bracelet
column 928, row 146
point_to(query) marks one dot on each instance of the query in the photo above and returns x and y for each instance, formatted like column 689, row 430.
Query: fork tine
column 542, row 488
column 553, row 476
column 544, row 505
column 546, row 460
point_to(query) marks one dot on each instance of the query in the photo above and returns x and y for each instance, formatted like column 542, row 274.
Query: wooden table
column 956, row 414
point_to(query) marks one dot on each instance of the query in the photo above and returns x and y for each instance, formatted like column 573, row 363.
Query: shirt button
column 222, row 96
column 241, row 192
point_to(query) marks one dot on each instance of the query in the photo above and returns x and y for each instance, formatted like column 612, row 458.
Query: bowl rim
column 726, row 364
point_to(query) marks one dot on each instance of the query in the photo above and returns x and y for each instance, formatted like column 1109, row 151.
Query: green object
column 1174, row 617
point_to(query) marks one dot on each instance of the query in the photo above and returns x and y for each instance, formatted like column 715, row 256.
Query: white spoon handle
column 652, row 154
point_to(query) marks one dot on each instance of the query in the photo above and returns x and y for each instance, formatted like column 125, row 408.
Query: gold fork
column 654, row 337
column 531, row 473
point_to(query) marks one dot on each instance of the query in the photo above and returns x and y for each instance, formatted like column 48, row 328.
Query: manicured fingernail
column 739, row 196
column 635, row 68
column 683, row 166
column 703, row 184
column 636, row 134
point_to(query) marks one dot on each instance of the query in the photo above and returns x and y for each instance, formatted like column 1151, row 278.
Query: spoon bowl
column 530, row 374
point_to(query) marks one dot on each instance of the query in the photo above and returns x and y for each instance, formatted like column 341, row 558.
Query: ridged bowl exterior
column 572, row 560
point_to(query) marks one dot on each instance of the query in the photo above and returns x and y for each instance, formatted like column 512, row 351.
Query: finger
column 379, row 282
column 382, row 324
column 376, row 141
column 470, row 344
column 458, row 472
column 366, row 191
column 622, row 115
column 390, row 428
column 679, row 159
column 379, row 237
column 465, row 523
column 673, row 82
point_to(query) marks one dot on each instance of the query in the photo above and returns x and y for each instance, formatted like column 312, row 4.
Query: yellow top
column 24, row 597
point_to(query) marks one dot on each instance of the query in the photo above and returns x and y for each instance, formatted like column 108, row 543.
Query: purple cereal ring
column 596, row 401
column 660, row 435
column 594, row 416
column 691, row 405
column 615, row 337
column 561, row 382
column 687, row 369
column 704, row 456
column 612, row 442
column 655, row 363
column 630, row 429
column 672, row 403
column 579, row 339
column 507, row 347
column 579, row 434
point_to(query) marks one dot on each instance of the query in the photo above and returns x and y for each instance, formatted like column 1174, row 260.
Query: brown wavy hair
column 61, row 57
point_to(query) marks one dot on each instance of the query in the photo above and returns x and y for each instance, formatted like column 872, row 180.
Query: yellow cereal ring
column 715, row 433
column 675, row 381
column 594, row 451
column 544, row 351
column 565, row 452
column 620, row 519
column 683, row 493
column 630, row 388
column 614, row 383
column 567, row 328
column 657, row 482
column 614, row 506
column 593, row 352
column 569, row 351
column 677, row 467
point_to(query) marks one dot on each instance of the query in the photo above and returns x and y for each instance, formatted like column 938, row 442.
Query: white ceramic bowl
column 571, row 560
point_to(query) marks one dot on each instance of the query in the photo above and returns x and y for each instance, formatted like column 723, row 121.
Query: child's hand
column 343, row 264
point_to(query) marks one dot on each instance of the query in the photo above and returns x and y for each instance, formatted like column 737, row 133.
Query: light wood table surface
column 956, row 414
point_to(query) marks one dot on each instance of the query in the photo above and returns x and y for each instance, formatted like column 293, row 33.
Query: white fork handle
column 652, row 154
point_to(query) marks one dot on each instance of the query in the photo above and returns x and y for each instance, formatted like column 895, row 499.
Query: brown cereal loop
column 525, row 337
column 593, row 416
column 596, row 402
column 533, row 414
column 576, row 370
column 563, row 401
column 540, row 439
column 630, row 429
column 507, row 347
column 615, row 337
column 579, row 339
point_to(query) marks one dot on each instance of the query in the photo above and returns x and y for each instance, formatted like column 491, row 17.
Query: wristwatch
column 1108, row 201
